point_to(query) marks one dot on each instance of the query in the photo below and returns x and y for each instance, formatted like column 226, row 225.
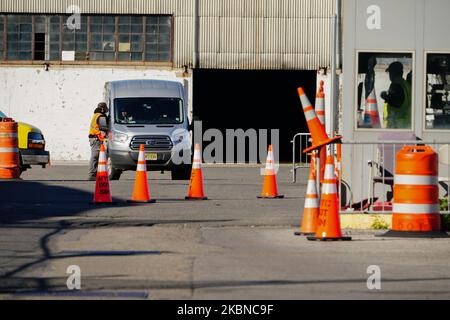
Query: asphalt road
column 232, row 246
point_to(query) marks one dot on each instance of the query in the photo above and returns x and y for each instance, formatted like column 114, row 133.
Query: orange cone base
column 414, row 234
column 196, row 198
column 416, row 222
column 280, row 196
column 103, row 203
column 323, row 143
column 141, row 202
column 314, row 238
column 304, row 233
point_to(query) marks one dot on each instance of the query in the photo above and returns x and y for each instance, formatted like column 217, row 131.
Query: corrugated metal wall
column 234, row 34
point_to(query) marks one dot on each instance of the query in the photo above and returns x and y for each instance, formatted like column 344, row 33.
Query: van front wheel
column 182, row 172
column 113, row 173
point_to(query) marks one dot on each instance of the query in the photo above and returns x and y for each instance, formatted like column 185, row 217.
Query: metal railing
column 297, row 154
column 367, row 186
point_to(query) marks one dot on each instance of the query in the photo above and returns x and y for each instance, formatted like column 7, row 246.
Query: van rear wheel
column 113, row 173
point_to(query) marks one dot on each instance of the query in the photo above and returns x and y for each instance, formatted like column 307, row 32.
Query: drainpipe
column 339, row 34
column 196, row 62
column 333, row 54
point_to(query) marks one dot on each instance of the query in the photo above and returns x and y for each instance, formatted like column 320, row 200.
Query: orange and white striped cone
column 311, row 209
column 196, row 191
column 102, row 193
column 328, row 222
column 319, row 136
column 270, row 189
column 320, row 104
column 320, row 111
column 371, row 115
column 141, row 192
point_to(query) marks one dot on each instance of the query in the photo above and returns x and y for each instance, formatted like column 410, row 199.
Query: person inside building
column 97, row 134
column 397, row 111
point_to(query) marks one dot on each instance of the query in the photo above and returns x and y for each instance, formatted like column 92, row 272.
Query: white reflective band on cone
column 102, row 157
column 329, row 188
column 329, row 171
column 196, row 165
column 407, row 208
column 311, row 203
column 415, row 179
column 311, row 189
column 141, row 167
column 7, row 150
column 310, row 115
column 141, row 157
column 305, row 101
column 101, row 168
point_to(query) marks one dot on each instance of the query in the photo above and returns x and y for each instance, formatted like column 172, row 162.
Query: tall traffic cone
column 311, row 209
column 319, row 136
column 320, row 104
column 196, row 185
column 102, row 193
column 328, row 222
column 371, row 115
column 141, row 192
column 270, row 190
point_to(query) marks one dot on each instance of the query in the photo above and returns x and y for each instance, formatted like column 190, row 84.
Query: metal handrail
column 303, row 138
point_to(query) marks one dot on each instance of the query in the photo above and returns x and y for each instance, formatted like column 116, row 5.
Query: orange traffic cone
column 320, row 104
column 311, row 210
column 196, row 185
column 319, row 136
column 371, row 115
column 102, row 193
column 328, row 223
column 141, row 192
column 270, row 190
column 320, row 111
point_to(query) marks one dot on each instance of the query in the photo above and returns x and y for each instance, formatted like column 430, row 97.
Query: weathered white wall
column 61, row 101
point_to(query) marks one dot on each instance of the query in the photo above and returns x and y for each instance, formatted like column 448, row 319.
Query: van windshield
column 148, row 111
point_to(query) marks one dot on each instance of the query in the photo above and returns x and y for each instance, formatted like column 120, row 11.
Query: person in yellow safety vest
column 97, row 134
column 397, row 109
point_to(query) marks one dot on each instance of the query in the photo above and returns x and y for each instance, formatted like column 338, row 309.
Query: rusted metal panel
column 250, row 34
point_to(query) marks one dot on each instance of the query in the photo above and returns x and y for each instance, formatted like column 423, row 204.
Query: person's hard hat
column 395, row 67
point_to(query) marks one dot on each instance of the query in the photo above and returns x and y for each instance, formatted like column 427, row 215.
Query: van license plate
column 151, row 156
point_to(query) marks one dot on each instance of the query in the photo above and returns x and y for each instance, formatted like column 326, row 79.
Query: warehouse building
column 240, row 61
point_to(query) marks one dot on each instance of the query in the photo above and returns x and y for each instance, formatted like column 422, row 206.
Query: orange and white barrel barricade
column 9, row 150
column 416, row 191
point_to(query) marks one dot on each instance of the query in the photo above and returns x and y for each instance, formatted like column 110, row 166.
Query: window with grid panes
column 102, row 38
column 19, row 37
column 130, row 38
column 158, row 38
column 76, row 39
column 2, row 38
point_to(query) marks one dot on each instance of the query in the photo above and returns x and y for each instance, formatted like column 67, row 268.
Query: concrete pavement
column 230, row 247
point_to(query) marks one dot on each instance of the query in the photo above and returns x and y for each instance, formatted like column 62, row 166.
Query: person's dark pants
column 95, row 152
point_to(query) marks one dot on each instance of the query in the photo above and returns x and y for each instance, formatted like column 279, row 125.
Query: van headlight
column 119, row 137
column 179, row 136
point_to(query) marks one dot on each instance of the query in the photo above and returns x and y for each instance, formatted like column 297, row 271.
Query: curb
column 367, row 221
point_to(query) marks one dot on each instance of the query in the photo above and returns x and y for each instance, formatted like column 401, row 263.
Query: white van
column 153, row 113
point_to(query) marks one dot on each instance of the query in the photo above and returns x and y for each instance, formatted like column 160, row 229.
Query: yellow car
column 31, row 146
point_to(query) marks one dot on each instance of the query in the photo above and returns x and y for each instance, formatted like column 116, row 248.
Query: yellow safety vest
column 94, row 129
column 399, row 118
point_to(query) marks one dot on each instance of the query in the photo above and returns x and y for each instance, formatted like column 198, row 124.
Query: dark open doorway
column 233, row 99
